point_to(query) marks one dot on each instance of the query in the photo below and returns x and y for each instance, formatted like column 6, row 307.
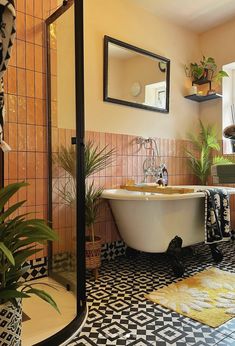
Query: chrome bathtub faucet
column 153, row 171
column 150, row 167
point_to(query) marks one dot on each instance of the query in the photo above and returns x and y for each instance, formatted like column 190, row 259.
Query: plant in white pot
column 18, row 236
column 95, row 160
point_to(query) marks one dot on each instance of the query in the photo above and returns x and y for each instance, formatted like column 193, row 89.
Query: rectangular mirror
column 135, row 77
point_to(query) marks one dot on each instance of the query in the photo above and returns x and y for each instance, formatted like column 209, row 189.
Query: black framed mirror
column 135, row 77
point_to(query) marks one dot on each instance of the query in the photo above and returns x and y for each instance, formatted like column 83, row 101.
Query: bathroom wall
column 218, row 43
column 25, row 88
column 129, row 23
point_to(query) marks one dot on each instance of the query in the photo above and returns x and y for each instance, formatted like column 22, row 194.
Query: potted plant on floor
column 201, row 158
column 95, row 160
column 18, row 235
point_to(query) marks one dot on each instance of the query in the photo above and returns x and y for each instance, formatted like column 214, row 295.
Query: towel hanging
column 217, row 216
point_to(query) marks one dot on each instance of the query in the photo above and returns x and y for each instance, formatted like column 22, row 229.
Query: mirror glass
column 135, row 77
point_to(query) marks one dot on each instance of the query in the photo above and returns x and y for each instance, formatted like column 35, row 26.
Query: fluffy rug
column 208, row 297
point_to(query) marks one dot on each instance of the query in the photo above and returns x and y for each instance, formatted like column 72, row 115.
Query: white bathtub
column 149, row 221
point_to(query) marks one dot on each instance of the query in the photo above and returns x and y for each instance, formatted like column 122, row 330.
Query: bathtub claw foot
column 217, row 255
column 175, row 247
column 177, row 267
column 174, row 252
column 233, row 234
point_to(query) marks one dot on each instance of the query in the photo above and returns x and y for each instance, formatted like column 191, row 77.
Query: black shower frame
column 63, row 335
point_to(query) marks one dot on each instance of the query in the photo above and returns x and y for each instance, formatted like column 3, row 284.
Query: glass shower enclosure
column 66, row 259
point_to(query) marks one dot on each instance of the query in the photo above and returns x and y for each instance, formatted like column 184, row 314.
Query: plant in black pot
column 205, row 71
column 95, row 160
column 18, row 235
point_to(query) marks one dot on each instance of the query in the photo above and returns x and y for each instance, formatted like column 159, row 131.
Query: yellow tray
column 157, row 189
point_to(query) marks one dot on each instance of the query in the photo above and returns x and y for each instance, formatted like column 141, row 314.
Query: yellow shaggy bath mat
column 208, row 297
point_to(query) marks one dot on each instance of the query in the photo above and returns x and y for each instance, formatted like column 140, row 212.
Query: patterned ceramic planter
column 10, row 324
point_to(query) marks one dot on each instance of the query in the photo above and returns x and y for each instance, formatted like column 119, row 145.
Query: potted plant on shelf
column 201, row 158
column 17, row 243
column 206, row 69
column 205, row 72
column 95, row 160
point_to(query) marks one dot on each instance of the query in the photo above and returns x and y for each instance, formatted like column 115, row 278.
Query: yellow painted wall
column 129, row 23
column 218, row 43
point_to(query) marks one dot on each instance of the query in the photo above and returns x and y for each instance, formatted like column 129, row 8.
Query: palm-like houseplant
column 201, row 158
column 18, row 235
column 95, row 160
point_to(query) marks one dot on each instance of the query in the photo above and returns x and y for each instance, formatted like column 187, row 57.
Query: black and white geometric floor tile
column 119, row 314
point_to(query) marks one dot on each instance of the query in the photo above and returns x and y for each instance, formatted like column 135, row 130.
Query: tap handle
column 165, row 175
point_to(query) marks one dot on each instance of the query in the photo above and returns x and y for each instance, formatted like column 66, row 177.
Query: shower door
column 65, row 149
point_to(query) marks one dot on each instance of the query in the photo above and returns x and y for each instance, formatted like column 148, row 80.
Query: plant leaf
column 8, row 191
column 220, row 160
column 44, row 296
column 7, row 294
column 7, row 253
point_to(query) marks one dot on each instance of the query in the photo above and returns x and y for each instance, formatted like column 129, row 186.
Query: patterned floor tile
column 119, row 314
column 227, row 328
column 227, row 342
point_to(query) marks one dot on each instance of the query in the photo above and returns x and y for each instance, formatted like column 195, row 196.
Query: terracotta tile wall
column 63, row 215
column 25, row 90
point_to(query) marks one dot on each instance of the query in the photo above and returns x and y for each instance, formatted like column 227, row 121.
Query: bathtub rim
column 121, row 194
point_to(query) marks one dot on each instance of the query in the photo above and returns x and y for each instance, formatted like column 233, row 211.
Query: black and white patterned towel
column 217, row 215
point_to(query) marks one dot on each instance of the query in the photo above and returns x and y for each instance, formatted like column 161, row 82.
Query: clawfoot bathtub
column 155, row 222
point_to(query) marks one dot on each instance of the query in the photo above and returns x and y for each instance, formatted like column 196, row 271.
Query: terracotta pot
column 93, row 253
column 10, row 324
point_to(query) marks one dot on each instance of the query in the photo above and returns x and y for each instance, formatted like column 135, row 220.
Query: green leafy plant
column 17, row 243
column 95, row 160
column 207, row 68
column 201, row 158
column 92, row 201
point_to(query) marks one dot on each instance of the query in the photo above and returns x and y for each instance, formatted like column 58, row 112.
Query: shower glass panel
column 62, row 150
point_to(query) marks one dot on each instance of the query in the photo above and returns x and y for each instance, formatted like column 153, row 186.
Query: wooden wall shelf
column 199, row 98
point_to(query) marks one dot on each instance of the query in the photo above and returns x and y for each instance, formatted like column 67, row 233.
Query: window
column 228, row 108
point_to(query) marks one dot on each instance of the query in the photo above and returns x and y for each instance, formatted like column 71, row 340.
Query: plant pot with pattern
column 18, row 234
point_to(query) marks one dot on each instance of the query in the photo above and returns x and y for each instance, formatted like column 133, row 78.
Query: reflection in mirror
column 135, row 77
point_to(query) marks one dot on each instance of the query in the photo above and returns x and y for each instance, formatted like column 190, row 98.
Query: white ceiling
column 196, row 15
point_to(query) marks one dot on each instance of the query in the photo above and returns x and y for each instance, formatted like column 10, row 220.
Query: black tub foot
column 131, row 253
column 174, row 252
column 217, row 255
column 233, row 234
column 177, row 267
